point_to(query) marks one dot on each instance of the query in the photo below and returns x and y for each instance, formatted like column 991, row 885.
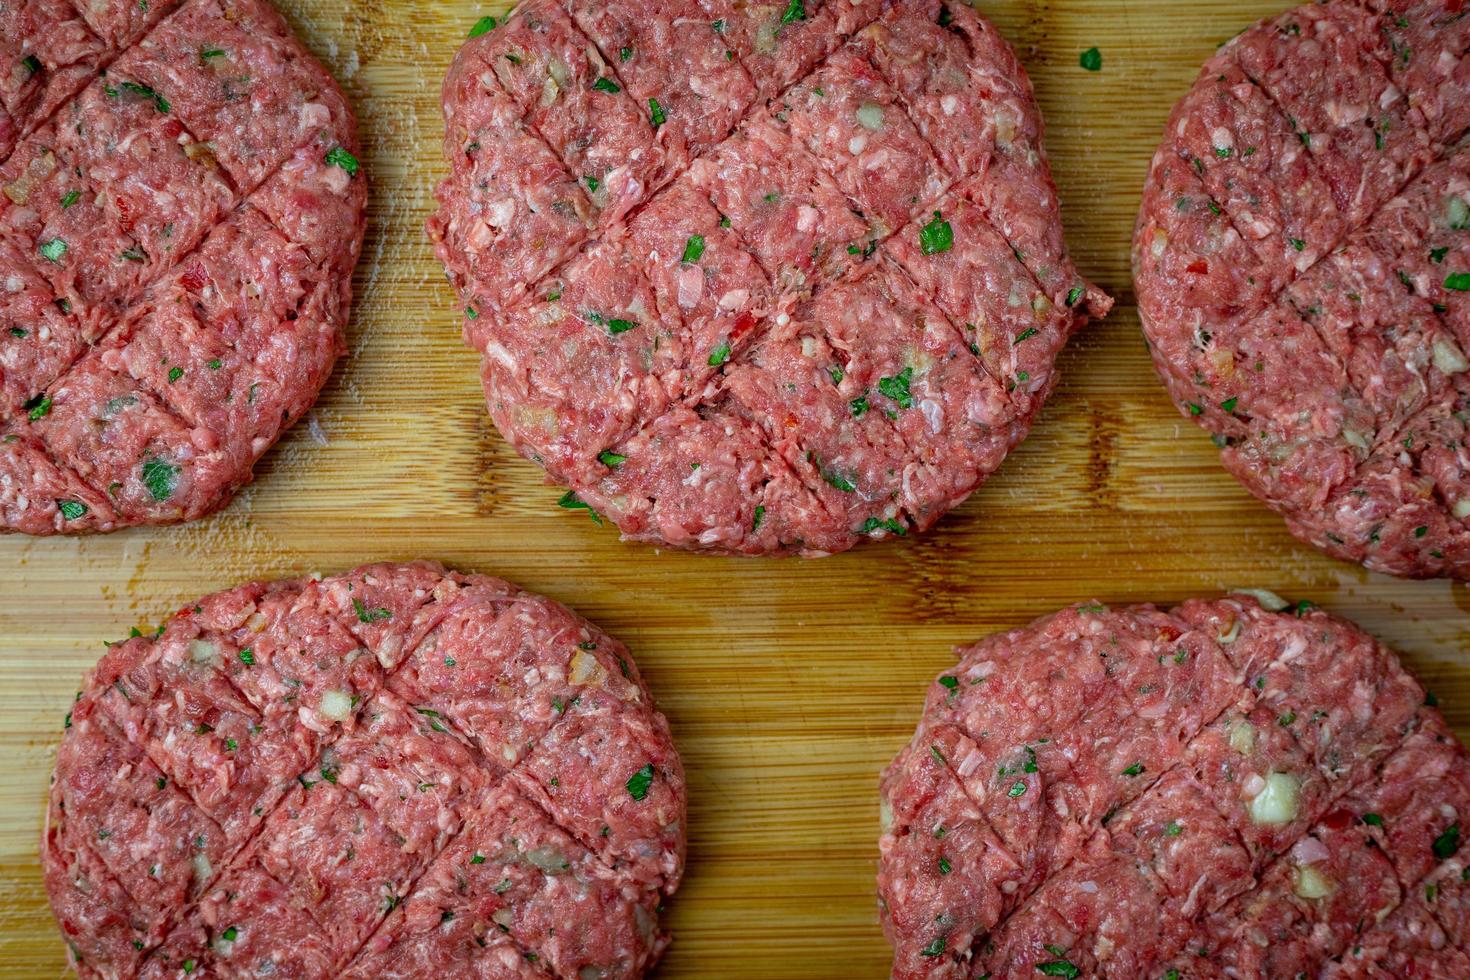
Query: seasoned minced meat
column 756, row 278
column 396, row 772
column 1216, row 791
column 182, row 208
column 1302, row 261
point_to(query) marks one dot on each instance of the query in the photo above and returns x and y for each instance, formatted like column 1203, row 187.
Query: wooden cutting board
column 789, row 684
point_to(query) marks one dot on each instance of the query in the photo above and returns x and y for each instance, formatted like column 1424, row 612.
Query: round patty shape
column 400, row 772
column 756, row 278
column 1219, row 790
column 1302, row 260
column 181, row 214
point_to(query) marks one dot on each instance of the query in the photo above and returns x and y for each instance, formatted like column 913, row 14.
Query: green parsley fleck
column 693, row 249
column 935, row 947
column 795, row 10
column 897, row 388
column 38, row 408
column 160, row 477
column 720, row 354
column 483, row 26
column 605, row 84
column 71, row 509
column 1458, row 281
column 1090, row 60
column 639, row 782
column 70, row 198
column 1134, row 770
column 54, row 250
column 570, row 501
column 1018, row 788
column 1447, row 843
column 1074, row 295
column 609, row 458
column 159, row 102
column 937, row 236
column 174, row 374
column 616, row 327
column 366, row 615
column 656, row 113
column 339, row 157
column 247, row 657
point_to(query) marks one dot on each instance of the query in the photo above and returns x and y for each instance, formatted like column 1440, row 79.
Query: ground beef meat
column 396, row 772
column 182, row 209
column 1226, row 789
column 756, row 278
column 1302, row 260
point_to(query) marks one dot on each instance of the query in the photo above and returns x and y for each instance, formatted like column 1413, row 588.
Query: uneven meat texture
column 756, row 278
column 399, row 771
column 177, row 237
column 1220, row 790
column 1301, row 265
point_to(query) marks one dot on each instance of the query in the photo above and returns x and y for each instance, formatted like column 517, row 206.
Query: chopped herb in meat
column 639, row 782
column 693, row 249
column 340, row 157
column 366, row 615
column 936, row 236
column 160, row 477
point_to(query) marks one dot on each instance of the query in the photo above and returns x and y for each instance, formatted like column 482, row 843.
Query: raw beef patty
column 1219, row 790
column 1302, row 261
column 400, row 772
column 756, row 278
column 181, row 211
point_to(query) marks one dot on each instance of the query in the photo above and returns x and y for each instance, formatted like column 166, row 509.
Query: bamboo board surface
column 789, row 684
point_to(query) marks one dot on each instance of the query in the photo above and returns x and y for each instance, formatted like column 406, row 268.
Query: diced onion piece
column 1311, row 883
column 1230, row 635
column 203, row 870
column 1270, row 601
column 870, row 116
column 1243, row 737
column 202, row 651
column 1448, row 357
column 1160, row 242
column 1462, row 508
column 336, row 705
column 1278, row 802
column 885, row 815
column 1357, row 439
column 1457, row 211
column 586, row 669
column 503, row 917
column 548, row 859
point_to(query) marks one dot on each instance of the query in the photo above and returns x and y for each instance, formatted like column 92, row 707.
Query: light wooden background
column 789, row 684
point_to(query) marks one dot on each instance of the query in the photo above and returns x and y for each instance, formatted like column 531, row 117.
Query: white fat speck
column 14, row 283
column 949, row 105
column 1222, row 138
column 500, row 213
column 734, row 299
column 502, row 355
column 857, row 144
column 807, row 217
column 933, row 414
column 314, row 427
